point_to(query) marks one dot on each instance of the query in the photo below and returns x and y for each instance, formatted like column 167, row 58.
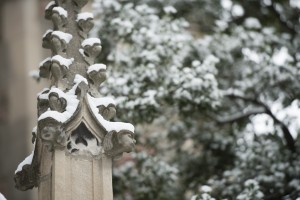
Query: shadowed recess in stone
column 83, row 140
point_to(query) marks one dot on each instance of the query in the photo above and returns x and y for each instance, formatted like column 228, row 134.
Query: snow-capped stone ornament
column 74, row 136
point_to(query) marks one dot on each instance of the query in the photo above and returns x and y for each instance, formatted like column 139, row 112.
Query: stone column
column 75, row 141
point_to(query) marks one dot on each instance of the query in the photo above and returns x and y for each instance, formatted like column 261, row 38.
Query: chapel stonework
column 75, row 140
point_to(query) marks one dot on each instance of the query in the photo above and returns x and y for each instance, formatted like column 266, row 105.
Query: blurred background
column 211, row 86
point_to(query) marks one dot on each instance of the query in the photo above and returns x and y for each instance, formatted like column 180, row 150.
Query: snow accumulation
column 109, row 126
column 85, row 16
column 2, row 197
column 90, row 42
column 72, row 104
column 77, row 80
column 105, row 101
column 61, row 11
column 47, row 32
column 44, row 61
column 51, row 3
column 62, row 61
column 170, row 10
column 34, row 74
column 63, row 36
column 96, row 67
column 26, row 161
column 252, row 22
column 281, row 57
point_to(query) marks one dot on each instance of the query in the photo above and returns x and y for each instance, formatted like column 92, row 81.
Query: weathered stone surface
column 75, row 141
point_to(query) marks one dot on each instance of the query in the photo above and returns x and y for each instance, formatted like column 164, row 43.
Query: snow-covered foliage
column 158, row 180
column 148, row 66
column 227, row 88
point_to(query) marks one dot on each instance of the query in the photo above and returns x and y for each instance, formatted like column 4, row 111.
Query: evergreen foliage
column 217, row 84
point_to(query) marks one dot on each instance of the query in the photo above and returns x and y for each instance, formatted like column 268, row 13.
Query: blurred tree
column 223, row 91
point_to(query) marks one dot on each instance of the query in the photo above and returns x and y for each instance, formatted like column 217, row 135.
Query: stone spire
column 75, row 141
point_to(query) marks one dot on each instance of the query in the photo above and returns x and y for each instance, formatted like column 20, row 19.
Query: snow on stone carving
column 91, row 42
column 72, row 104
column 62, row 61
column 63, row 36
column 84, row 16
column 72, row 115
column 47, row 32
column 50, row 4
column 96, row 67
column 60, row 11
column 109, row 126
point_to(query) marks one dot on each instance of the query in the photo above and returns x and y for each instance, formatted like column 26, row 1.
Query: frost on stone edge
column 61, row 11
column 72, row 104
column 48, row 31
column 96, row 67
column 51, row 3
column 44, row 61
column 63, row 36
column 84, row 16
column 105, row 101
column 26, row 161
column 108, row 126
column 63, row 61
column 90, row 42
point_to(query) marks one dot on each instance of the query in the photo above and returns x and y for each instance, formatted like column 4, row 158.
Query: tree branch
column 240, row 115
column 286, row 132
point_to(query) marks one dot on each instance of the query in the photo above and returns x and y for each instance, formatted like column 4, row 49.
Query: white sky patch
column 63, row 36
column 226, row 4
column 90, row 42
column 281, row 57
column 290, row 116
column 85, row 16
column 237, row 10
column 262, row 124
column 295, row 3
column 252, row 22
column 251, row 55
column 96, row 67
column 26, row 161
column 61, row 11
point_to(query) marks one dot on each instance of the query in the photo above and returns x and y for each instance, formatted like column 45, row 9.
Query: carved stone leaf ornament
column 73, row 117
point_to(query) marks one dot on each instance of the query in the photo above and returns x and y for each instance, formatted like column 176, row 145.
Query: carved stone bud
column 45, row 68
column 59, row 17
column 48, row 10
column 85, row 23
column 59, row 69
column 56, row 103
column 58, row 73
column 91, row 49
column 59, row 41
column 97, row 75
column 108, row 112
column 46, row 39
